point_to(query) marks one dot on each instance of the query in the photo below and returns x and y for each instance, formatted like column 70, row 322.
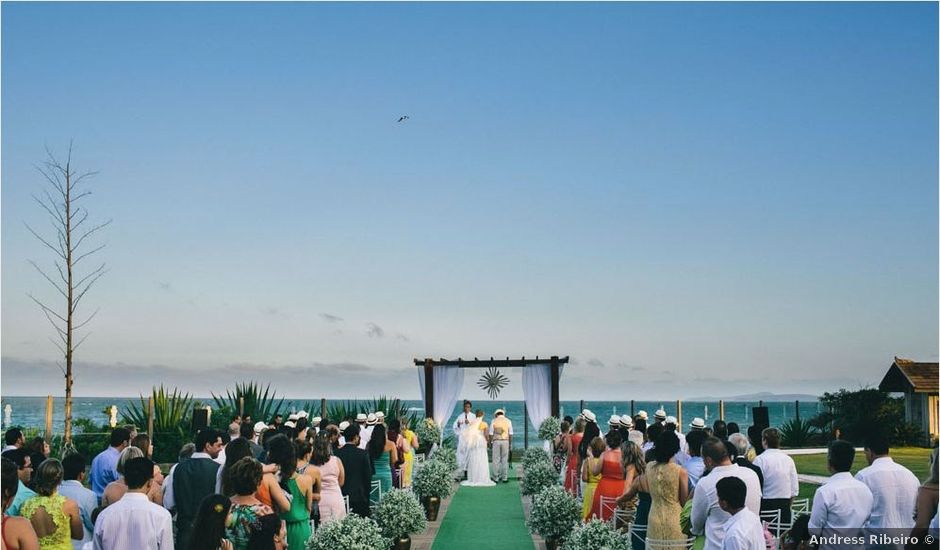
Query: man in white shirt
column 893, row 487
column 463, row 421
column 134, row 521
column 707, row 515
column 781, row 484
column 365, row 434
column 743, row 530
column 672, row 424
column 843, row 504
column 695, row 464
column 73, row 466
column 13, row 439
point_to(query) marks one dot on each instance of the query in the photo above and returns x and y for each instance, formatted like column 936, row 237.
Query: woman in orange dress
column 613, row 483
column 572, row 477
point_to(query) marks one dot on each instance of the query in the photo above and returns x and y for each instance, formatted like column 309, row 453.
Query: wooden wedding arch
column 428, row 364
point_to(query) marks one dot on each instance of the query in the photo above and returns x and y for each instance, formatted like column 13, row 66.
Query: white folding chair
column 799, row 506
column 622, row 519
column 774, row 525
column 375, row 492
column 346, row 503
column 608, row 506
column 419, row 458
column 637, row 533
column 575, row 481
column 681, row 544
column 399, row 472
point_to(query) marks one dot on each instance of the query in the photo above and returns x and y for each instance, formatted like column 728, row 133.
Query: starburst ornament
column 492, row 381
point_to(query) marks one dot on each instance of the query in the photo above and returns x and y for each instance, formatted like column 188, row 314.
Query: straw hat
column 643, row 415
column 371, row 420
column 660, row 415
column 626, row 421
column 379, row 417
column 589, row 416
column 293, row 417
column 614, row 420
column 290, row 424
column 697, row 424
column 361, row 418
column 343, row 425
column 671, row 420
column 260, row 427
column 499, row 412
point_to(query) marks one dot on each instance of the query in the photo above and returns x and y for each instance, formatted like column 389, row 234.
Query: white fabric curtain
column 448, row 381
column 537, row 390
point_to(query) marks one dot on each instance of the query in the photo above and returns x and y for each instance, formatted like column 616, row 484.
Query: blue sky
column 686, row 198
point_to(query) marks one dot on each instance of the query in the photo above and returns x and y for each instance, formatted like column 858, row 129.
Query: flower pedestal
column 431, row 506
column 401, row 543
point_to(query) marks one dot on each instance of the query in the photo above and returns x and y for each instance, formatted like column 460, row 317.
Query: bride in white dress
column 478, row 463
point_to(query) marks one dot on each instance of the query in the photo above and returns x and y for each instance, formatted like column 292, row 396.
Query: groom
column 501, row 432
column 460, row 426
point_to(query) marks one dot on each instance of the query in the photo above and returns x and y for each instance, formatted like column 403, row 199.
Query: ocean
column 29, row 412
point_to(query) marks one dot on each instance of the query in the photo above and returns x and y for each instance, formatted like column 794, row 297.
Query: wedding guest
column 927, row 497
column 743, row 531
column 561, row 447
column 393, row 434
column 104, row 466
column 24, row 472
column 17, row 533
column 781, row 484
column 55, row 518
column 652, row 434
column 234, row 451
column 572, row 483
column 296, row 516
column 671, row 425
column 366, row 433
column 331, row 477
column 13, row 439
column 209, row 526
column 733, row 428
column 134, row 521
column 741, row 447
column 142, row 442
column 73, row 467
column 38, row 452
column 191, row 481
column 668, row 487
column 754, row 437
column 274, row 490
column 358, row 470
column 252, row 433
column 695, row 464
column 893, row 487
column 253, row 524
column 116, row 489
column 413, row 444
column 707, row 516
column 591, row 475
column 720, row 429
column 842, row 505
column 383, row 454
column 612, row 483
column 235, row 426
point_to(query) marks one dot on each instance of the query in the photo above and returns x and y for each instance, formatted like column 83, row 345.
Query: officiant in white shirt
column 462, row 423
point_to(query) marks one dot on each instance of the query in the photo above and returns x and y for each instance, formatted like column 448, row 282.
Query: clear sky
column 688, row 199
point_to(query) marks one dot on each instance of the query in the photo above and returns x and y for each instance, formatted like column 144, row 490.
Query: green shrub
column 554, row 513
column 446, row 455
column 352, row 532
column 549, row 428
column 533, row 456
column 596, row 535
column 797, row 433
column 400, row 514
column 433, row 480
column 537, row 477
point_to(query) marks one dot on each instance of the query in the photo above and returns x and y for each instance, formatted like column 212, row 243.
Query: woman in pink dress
column 332, row 477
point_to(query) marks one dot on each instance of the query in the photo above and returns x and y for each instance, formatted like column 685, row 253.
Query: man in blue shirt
column 104, row 466
column 24, row 470
column 74, row 466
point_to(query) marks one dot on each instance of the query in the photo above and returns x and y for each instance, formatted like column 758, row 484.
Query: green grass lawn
column 914, row 458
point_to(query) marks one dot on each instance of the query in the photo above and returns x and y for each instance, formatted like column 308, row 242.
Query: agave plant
column 261, row 404
column 392, row 408
column 171, row 410
column 797, row 433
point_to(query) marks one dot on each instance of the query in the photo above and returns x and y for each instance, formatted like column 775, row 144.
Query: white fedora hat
column 302, row 414
column 260, row 427
column 499, row 412
column 316, row 420
column 671, row 420
column 626, row 421
column 660, row 415
column 643, row 415
column 614, row 420
column 343, row 425
column 371, row 420
column 290, row 424
column 361, row 418
column 697, row 424
column 589, row 416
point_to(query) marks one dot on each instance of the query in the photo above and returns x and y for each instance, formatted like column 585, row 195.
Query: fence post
column 721, row 409
column 582, row 407
column 679, row 415
column 525, row 427
column 797, row 410
column 323, row 408
column 48, row 434
column 150, row 418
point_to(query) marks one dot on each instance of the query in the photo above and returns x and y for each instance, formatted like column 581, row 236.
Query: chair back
column 637, row 533
column 375, row 492
column 774, row 524
column 681, row 544
column 799, row 506
column 574, row 480
column 622, row 519
column 608, row 505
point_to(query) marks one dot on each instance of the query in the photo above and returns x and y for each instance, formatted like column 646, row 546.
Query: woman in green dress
column 297, row 517
column 383, row 454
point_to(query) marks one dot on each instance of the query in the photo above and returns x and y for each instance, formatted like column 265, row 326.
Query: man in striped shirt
column 134, row 521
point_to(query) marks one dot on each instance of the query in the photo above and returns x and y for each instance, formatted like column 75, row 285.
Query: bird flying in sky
column 403, row 118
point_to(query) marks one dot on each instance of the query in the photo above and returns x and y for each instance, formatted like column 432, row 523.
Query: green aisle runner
column 487, row 518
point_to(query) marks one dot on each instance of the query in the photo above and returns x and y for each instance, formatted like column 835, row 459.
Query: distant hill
column 761, row 396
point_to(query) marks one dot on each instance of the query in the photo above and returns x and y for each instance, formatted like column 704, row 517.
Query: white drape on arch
column 537, row 391
column 448, row 382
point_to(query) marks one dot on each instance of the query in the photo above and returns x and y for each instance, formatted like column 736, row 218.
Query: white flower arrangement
column 549, row 428
column 596, row 535
column 537, row 477
column 432, row 480
column 350, row 532
column 428, row 431
column 446, row 455
column 533, row 456
column 400, row 514
column 554, row 513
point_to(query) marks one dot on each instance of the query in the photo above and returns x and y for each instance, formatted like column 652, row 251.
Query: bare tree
column 61, row 200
